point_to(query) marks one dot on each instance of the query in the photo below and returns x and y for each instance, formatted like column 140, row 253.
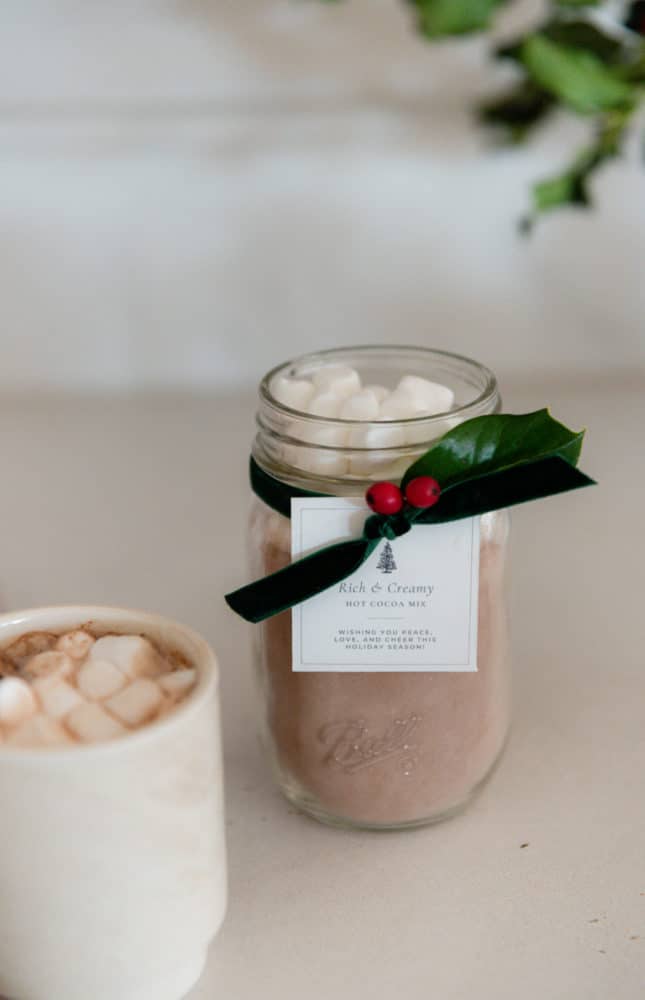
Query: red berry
column 424, row 491
column 384, row 498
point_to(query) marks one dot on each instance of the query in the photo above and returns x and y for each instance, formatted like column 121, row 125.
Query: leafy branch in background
column 573, row 61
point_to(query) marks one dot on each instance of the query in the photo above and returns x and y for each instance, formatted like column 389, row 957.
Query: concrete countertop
column 538, row 890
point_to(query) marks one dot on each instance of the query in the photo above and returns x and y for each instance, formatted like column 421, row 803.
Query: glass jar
column 427, row 741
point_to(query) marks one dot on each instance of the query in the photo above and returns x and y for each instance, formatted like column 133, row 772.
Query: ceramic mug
column 112, row 856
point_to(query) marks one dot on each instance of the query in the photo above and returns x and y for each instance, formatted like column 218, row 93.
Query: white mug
column 112, row 856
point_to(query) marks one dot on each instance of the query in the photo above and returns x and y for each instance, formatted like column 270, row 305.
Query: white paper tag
column 412, row 606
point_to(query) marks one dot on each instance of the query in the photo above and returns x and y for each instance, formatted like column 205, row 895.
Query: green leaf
column 576, row 77
column 571, row 187
column 519, row 109
column 506, row 488
column 494, row 443
column 438, row 18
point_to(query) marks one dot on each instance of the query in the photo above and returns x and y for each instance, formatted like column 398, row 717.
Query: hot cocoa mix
column 384, row 748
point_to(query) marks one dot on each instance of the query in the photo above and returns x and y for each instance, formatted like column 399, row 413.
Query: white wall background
column 192, row 190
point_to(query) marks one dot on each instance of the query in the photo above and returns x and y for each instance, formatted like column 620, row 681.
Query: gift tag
column 412, row 606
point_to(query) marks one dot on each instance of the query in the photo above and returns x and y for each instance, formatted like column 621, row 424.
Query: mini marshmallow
column 137, row 703
column 425, row 433
column 324, row 404
column 379, row 391
column 292, row 392
column 360, row 406
column 76, row 644
column 39, row 731
column 178, row 683
column 339, row 379
column 431, row 397
column 397, row 406
column 51, row 664
column 325, row 436
column 91, row 724
column 17, row 701
column 372, row 463
column 56, row 696
column 99, row 679
column 132, row 654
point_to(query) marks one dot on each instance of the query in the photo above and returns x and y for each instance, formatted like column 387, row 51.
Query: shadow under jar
column 377, row 750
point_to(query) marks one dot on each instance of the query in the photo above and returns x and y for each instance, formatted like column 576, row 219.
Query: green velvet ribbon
column 482, row 489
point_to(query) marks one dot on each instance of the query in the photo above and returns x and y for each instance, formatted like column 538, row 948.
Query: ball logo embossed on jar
column 352, row 745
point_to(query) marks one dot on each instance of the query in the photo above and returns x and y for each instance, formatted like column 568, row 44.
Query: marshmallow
column 39, row 731
column 178, row 683
column 91, row 724
column 76, row 644
column 132, row 654
column 137, row 703
column 397, row 406
column 372, row 463
column 431, row 397
column 99, row 679
column 325, row 436
column 56, row 696
column 360, row 406
column 339, row 379
column 424, row 433
column 379, row 391
column 17, row 701
column 324, row 404
column 292, row 392
column 51, row 664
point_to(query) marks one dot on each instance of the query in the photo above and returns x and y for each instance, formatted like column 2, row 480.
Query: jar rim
column 488, row 393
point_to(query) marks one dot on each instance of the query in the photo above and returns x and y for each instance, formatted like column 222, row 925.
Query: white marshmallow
column 431, row 397
column 39, row 731
column 360, row 406
column 76, row 644
column 292, row 392
column 379, row 436
column 339, row 379
column 331, row 436
column 425, row 433
column 178, row 683
column 51, row 664
column 132, row 654
column 56, row 696
column 99, row 679
column 91, row 724
column 397, row 406
column 29, row 645
column 324, row 404
column 372, row 463
column 137, row 703
column 379, row 391
column 17, row 701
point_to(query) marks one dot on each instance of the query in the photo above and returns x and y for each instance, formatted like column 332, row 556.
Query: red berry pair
column 387, row 498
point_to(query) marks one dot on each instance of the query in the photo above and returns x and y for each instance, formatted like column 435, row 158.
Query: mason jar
column 426, row 741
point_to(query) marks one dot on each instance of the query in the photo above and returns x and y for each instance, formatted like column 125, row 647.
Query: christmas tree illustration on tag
column 386, row 561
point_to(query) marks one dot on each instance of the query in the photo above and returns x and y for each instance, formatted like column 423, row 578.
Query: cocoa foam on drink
column 384, row 748
column 82, row 687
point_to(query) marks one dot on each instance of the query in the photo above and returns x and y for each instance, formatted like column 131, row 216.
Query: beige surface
column 120, row 501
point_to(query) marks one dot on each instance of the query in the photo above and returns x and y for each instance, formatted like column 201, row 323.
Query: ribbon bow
column 484, row 464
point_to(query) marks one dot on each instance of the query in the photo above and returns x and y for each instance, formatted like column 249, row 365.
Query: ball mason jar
column 427, row 741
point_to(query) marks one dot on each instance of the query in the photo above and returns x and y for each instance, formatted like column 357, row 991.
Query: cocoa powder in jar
column 384, row 749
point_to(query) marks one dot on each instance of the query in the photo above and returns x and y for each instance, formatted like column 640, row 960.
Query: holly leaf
column 495, row 443
column 438, row 18
column 578, row 78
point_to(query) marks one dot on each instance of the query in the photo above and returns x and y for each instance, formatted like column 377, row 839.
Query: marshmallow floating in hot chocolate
column 76, row 688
